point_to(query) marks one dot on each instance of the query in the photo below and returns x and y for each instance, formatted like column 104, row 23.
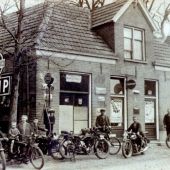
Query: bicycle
column 115, row 144
column 2, row 156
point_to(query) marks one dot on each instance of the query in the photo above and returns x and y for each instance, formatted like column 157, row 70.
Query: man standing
column 24, row 127
column 166, row 122
column 102, row 120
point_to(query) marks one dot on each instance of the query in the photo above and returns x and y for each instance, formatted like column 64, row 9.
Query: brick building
column 95, row 59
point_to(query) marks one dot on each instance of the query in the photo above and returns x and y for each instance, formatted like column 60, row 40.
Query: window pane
column 127, row 54
column 117, row 86
column 137, row 50
column 128, row 32
column 137, row 35
column 150, row 88
column 127, row 44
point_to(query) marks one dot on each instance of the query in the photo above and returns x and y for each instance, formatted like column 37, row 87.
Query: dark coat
column 102, row 121
column 135, row 127
column 166, row 120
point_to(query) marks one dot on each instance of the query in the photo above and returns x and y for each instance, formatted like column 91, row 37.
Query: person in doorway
column 136, row 127
column 51, row 119
column 102, row 121
column 166, row 122
column 35, row 127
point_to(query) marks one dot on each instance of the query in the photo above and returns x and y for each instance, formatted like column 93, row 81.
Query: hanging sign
column 130, row 84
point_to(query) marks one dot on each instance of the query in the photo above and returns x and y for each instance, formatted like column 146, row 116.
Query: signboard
column 100, row 90
column 73, row 78
column 5, row 85
column 130, row 84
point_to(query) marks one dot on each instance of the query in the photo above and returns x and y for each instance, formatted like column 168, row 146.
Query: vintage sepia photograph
column 84, row 84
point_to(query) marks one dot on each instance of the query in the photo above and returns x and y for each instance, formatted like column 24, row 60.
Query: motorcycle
column 50, row 144
column 89, row 140
column 131, row 146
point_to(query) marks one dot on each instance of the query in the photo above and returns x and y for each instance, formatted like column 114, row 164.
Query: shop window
column 74, row 82
column 134, row 43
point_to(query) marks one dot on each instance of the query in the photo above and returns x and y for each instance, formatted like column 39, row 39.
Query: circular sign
column 2, row 63
column 130, row 84
column 48, row 78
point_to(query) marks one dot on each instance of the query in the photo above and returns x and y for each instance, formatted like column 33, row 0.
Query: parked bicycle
column 24, row 151
column 115, row 144
column 89, row 140
column 2, row 156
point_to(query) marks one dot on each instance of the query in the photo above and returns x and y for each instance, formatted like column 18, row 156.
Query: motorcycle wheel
column 2, row 161
column 115, row 145
column 67, row 149
column 168, row 141
column 102, row 148
column 36, row 158
column 55, row 154
column 127, row 149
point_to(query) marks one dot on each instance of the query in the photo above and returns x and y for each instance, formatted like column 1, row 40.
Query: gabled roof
column 58, row 27
column 112, row 12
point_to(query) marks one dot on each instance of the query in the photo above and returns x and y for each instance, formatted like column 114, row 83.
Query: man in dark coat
column 102, row 120
column 166, row 122
column 136, row 127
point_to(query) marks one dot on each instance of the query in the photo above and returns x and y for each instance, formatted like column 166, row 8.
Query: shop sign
column 149, row 111
column 48, row 78
column 100, row 90
column 5, row 86
column 73, row 78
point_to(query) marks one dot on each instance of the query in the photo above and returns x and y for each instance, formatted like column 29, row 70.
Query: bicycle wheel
column 2, row 161
column 168, row 141
column 102, row 148
column 115, row 145
column 36, row 158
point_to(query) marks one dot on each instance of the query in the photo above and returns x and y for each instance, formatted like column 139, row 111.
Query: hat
column 102, row 110
column 51, row 111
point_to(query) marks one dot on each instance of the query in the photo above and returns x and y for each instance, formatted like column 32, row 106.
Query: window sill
column 136, row 61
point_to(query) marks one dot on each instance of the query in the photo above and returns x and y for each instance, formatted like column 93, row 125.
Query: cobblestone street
column 155, row 158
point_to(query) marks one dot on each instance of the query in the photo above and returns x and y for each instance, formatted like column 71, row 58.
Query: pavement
column 157, row 157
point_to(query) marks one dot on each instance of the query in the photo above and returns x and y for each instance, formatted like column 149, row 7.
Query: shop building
column 105, row 59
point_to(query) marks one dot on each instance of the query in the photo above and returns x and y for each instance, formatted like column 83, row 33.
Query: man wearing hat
column 102, row 120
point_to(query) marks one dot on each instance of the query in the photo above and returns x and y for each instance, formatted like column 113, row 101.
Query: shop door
column 73, row 112
column 151, row 108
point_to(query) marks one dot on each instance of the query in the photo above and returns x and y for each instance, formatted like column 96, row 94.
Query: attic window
column 133, row 43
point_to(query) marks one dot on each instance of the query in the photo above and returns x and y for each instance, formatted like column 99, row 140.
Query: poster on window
column 149, row 111
column 116, row 110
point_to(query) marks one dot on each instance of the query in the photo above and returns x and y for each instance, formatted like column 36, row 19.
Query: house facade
column 105, row 59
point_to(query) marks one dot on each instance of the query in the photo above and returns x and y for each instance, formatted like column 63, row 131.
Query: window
column 133, row 43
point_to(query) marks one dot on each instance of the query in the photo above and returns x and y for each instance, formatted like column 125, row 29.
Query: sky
column 159, row 4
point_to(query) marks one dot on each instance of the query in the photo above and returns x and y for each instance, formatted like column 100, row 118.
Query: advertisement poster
column 116, row 110
column 149, row 111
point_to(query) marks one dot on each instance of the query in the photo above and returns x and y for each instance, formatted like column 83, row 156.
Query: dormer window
column 134, row 44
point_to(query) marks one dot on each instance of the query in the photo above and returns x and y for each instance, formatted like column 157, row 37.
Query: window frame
column 133, row 40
